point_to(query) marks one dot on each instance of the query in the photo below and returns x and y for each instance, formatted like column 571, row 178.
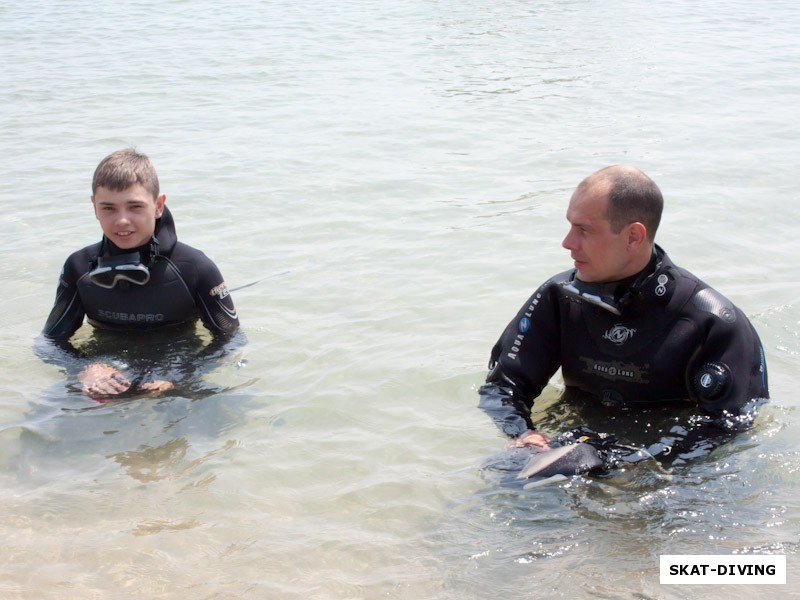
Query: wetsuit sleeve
column 522, row 362
column 215, row 303
column 729, row 370
column 67, row 313
column 53, row 345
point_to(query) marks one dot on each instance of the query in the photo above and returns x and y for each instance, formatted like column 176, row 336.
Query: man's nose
column 568, row 241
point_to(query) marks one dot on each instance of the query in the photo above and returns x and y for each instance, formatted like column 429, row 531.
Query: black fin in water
column 573, row 459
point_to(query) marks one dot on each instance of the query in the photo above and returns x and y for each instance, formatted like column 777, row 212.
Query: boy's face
column 128, row 218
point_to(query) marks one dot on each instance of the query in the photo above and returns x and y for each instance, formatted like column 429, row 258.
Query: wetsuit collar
column 165, row 233
column 614, row 295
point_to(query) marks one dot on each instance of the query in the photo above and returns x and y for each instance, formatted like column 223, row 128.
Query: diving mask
column 111, row 270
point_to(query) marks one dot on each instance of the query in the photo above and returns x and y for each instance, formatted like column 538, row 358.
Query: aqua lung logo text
column 616, row 371
column 619, row 334
column 522, row 327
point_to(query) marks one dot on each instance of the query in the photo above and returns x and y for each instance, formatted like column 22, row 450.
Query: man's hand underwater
column 531, row 438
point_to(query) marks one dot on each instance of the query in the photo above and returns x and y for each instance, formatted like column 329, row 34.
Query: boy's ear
column 160, row 205
column 94, row 206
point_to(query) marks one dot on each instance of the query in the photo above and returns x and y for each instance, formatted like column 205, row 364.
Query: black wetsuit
column 184, row 285
column 676, row 340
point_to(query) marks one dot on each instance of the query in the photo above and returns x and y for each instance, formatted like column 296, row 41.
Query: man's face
column 128, row 218
column 600, row 255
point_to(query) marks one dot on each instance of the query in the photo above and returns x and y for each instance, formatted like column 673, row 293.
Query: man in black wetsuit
column 139, row 276
column 626, row 326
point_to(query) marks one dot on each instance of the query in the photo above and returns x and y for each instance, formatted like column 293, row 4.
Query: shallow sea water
column 394, row 176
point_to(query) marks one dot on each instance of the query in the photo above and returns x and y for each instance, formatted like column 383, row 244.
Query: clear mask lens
column 111, row 270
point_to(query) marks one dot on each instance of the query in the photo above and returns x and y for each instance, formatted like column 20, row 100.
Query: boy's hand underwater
column 102, row 381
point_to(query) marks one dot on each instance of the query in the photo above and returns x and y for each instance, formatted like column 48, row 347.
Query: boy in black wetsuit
column 626, row 326
column 139, row 276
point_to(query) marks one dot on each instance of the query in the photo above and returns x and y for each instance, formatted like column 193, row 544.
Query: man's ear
column 637, row 235
column 160, row 205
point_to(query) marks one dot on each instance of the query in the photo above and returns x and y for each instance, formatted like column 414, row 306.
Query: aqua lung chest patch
column 112, row 270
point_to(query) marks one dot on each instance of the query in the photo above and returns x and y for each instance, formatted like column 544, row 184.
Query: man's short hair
column 633, row 197
column 121, row 169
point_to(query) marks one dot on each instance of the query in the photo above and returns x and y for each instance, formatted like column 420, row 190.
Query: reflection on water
column 407, row 166
column 153, row 438
column 154, row 463
column 180, row 355
column 625, row 519
column 722, row 498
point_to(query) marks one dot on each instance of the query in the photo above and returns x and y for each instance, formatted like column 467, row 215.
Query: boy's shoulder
column 195, row 267
column 185, row 252
column 188, row 258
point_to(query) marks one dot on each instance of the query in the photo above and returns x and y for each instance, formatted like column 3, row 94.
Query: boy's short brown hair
column 121, row 169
